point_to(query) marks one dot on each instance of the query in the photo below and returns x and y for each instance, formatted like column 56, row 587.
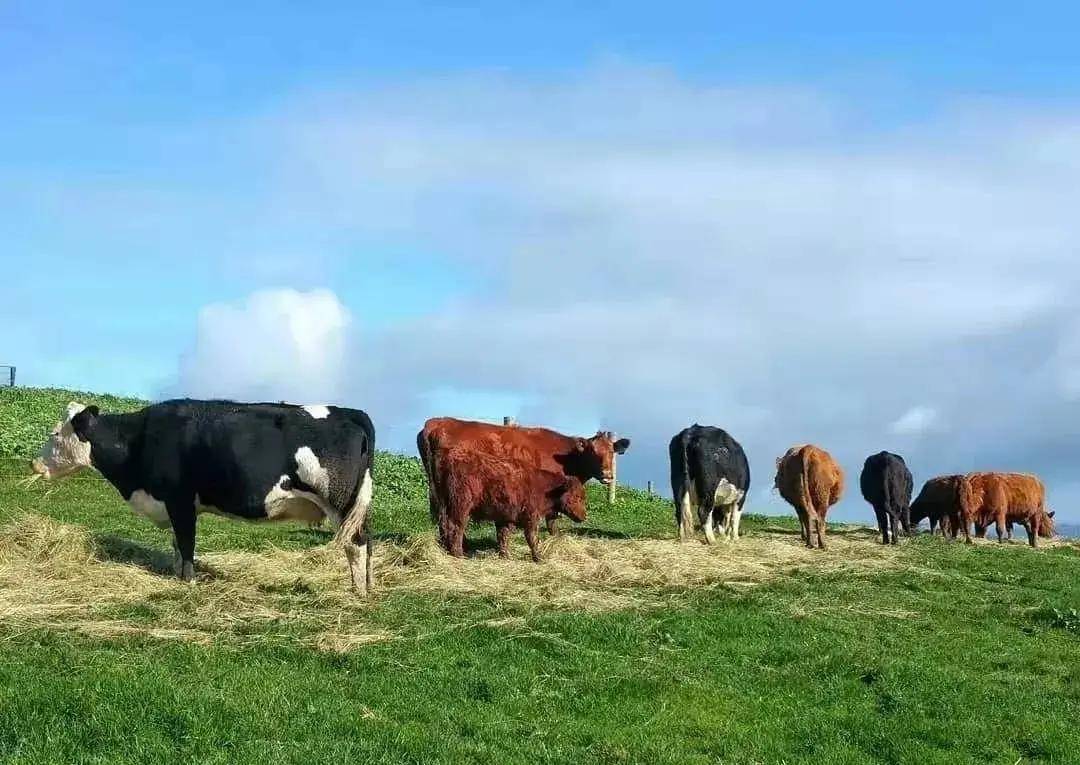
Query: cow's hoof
column 187, row 572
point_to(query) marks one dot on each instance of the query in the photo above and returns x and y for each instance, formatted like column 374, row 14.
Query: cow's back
column 885, row 480
column 712, row 454
column 536, row 446
column 808, row 477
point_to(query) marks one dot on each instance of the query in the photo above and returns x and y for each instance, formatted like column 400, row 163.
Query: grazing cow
column 1005, row 498
column 174, row 460
column 581, row 458
column 509, row 492
column 939, row 502
column 811, row 481
column 710, row 476
column 886, row 484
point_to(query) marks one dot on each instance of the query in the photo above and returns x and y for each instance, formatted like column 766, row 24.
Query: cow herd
column 174, row 460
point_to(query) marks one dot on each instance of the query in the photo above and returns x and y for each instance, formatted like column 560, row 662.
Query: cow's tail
column 967, row 500
column 680, row 477
column 806, row 497
column 354, row 533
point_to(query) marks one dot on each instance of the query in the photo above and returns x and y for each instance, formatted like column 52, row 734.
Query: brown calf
column 580, row 458
column 505, row 491
column 1005, row 498
column 811, row 481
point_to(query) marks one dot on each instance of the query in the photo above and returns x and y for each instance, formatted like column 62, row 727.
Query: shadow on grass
column 110, row 547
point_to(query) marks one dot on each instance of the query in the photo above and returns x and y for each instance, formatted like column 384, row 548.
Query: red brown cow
column 1005, row 498
column 506, row 491
column 581, row 458
column 811, row 481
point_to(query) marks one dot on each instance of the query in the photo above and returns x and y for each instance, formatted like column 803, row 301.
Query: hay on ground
column 57, row 576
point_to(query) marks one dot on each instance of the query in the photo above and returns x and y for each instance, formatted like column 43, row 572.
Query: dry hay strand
column 599, row 574
column 55, row 576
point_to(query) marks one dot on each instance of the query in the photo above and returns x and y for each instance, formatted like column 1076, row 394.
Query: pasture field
column 622, row 647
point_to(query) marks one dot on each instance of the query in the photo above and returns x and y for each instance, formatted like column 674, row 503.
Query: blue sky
column 828, row 222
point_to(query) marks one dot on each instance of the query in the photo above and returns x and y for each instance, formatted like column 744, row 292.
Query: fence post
column 611, row 486
column 509, row 422
column 649, row 485
column 11, row 371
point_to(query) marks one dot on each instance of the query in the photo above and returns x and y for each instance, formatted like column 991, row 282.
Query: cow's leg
column 1033, row 525
column 503, row 532
column 356, row 554
column 882, row 524
column 178, row 559
column 552, row 525
column 804, row 526
column 736, row 517
column 820, row 531
column 999, row 524
column 531, row 536
column 457, row 538
column 895, row 523
column 182, row 515
column 684, row 516
column 705, row 518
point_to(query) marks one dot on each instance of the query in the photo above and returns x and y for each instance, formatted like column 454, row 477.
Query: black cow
column 709, row 473
column 887, row 485
column 173, row 460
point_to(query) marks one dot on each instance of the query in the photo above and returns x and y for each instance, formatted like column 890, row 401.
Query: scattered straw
column 57, row 576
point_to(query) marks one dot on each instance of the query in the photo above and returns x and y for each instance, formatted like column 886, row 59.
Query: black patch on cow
column 702, row 456
column 228, row 454
column 887, row 484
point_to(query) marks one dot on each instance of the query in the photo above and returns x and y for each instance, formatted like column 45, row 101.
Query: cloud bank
column 655, row 252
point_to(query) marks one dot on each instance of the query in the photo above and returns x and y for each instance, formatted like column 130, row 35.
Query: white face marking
column 153, row 510
column 311, row 471
column 318, row 411
column 63, row 453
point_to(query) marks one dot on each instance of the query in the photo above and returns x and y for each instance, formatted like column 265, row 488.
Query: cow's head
column 67, row 449
column 1046, row 524
column 570, row 496
column 595, row 457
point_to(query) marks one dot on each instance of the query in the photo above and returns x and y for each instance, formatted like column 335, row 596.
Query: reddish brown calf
column 508, row 492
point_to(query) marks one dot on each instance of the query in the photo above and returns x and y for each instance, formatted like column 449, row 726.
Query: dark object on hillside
column 887, row 484
column 710, row 477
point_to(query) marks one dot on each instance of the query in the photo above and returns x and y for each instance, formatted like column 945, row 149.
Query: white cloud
column 277, row 344
column 915, row 421
column 654, row 252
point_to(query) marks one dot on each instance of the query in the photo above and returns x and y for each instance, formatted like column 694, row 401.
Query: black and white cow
column 174, row 460
column 887, row 485
column 709, row 475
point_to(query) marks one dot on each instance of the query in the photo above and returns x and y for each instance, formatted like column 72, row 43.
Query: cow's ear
column 622, row 445
column 83, row 422
column 1051, row 514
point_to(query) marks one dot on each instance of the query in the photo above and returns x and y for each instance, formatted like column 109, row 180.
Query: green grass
column 960, row 654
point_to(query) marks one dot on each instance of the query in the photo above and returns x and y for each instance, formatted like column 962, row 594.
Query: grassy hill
column 623, row 646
